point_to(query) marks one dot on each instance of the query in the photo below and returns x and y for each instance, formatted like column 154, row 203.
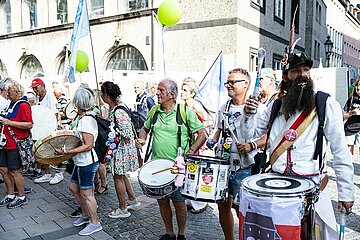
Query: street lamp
column 328, row 49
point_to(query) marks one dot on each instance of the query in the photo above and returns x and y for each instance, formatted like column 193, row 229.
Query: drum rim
column 66, row 107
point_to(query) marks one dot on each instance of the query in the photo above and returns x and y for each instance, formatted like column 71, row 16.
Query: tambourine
column 45, row 147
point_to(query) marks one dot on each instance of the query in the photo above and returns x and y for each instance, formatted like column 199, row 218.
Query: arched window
column 6, row 16
column 127, row 58
column 3, row 70
column 31, row 68
column 97, row 8
column 62, row 11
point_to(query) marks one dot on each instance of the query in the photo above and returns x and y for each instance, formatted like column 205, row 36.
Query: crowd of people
column 238, row 135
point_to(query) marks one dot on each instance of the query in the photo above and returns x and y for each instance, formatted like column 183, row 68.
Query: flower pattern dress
column 125, row 155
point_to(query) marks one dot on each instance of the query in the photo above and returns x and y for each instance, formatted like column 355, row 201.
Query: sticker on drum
column 275, row 184
column 206, row 178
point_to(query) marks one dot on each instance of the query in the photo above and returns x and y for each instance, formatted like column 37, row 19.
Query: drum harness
column 320, row 104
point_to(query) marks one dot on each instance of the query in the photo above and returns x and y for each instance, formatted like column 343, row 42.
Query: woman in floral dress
column 125, row 154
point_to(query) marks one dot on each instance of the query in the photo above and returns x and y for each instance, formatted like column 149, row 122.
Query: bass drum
column 44, row 122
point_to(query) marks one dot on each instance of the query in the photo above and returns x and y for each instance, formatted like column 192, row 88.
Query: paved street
column 46, row 216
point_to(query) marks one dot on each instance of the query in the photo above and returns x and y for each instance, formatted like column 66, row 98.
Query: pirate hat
column 294, row 60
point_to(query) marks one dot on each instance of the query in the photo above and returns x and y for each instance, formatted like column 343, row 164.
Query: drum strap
column 300, row 125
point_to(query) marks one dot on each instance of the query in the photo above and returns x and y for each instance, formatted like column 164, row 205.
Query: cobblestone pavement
column 46, row 215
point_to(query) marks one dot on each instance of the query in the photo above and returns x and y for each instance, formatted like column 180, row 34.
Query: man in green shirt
column 165, row 145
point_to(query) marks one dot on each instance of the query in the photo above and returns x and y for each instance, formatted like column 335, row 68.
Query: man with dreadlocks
column 296, row 92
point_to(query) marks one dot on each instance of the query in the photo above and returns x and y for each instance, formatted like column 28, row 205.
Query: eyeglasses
column 232, row 82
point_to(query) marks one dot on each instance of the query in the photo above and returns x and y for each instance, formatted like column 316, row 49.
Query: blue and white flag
column 212, row 93
column 81, row 29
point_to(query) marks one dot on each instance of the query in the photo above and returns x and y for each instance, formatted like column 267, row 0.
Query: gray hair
column 84, row 99
column 171, row 87
column 4, row 82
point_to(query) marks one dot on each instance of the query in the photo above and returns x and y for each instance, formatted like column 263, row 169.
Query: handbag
column 24, row 146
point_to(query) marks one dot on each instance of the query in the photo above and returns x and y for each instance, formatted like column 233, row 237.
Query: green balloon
column 82, row 61
column 169, row 12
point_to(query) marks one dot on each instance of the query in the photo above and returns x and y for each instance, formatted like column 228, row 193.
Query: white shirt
column 48, row 101
column 304, row 147
column 86, row 124
column 3, row 102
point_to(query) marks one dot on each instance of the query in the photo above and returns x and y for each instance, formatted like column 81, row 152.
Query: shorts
column 176, row 196
column 235, row 182
column 84, row 176
column 10, row 159
column 353, row 139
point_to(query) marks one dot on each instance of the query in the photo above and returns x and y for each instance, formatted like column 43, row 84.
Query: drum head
column 70, row 111
column 44, row 121
column 45, row 147
column 278, row 185
column 147, row 177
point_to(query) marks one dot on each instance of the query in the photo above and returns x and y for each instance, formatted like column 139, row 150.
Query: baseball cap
column 36, row 82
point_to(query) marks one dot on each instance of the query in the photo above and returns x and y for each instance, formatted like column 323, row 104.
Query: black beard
column 290, row 100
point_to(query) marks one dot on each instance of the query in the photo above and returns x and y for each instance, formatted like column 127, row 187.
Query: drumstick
column 160, row 171
column 228, row 126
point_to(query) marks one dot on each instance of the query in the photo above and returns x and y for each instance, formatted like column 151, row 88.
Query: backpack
column 320, row 104
column 137, row 119
column 103, row 132
column 180, row 119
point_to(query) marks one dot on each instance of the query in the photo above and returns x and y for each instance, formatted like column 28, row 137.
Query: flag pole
column 93, row 55
column 210, row 68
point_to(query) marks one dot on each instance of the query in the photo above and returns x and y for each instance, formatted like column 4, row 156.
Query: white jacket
column 302, row 151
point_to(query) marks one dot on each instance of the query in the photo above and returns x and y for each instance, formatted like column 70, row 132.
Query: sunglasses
column 232, row 82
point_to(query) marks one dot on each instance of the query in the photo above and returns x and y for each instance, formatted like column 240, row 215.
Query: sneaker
column 45, row 178
column 133, row 205
column 90, row 229
column 77, row 213
column 118, row 213
column 167, row 237
column 5, row 201
column 81, row 221
column 2, row 180
column 57, row 178
column 27, row 173
column 17, row 202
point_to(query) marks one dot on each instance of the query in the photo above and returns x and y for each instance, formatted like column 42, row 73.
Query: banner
column 81, row 29
column 212, row 93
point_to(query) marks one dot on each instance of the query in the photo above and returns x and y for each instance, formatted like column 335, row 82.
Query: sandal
column 96, row 186
column 103, row 189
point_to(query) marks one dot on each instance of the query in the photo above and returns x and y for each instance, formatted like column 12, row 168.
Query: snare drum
column 206, row 178
column 274, row 205
column 157, row 185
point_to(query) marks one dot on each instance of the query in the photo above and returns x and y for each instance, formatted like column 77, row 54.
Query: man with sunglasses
column 49, row 101
column 231, row 145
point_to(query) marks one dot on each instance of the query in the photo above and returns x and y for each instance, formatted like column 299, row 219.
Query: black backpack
column 103, row 132
column 137, row 119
